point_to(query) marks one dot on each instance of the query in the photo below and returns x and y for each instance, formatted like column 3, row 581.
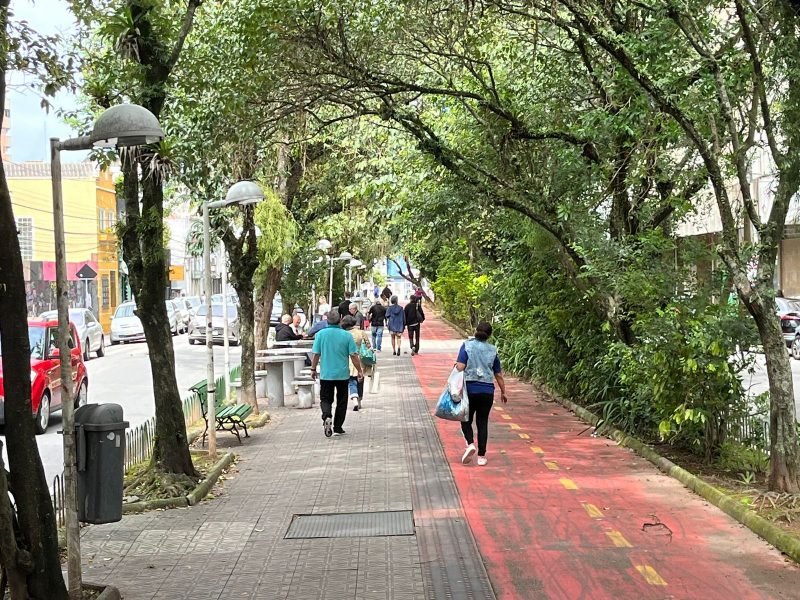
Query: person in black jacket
column 344, row 307
column 414, row 319
column 284, row 332
column 376, row 315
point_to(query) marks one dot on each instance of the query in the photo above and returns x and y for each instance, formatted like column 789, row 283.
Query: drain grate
column 340, row 525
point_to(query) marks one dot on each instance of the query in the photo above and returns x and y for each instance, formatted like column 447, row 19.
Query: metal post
column 225, row 344
column 74, row 576
column 212, row 389
column 330, row 290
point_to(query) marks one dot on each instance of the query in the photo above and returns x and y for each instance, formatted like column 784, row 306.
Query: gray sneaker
column 327, row 424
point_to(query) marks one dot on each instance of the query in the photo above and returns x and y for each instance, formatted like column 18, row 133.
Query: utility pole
column 74, row 574
column 211, row 389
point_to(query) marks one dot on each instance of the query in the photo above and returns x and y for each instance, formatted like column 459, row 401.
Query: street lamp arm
column 78, row 143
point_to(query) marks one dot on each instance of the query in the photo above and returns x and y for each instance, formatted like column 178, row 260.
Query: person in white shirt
column 324, row 307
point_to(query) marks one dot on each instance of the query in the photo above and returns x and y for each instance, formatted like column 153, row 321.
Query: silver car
column 89, row 329
column 182, row 313
column 197, row 329
column 125, row 325
column 175, row 324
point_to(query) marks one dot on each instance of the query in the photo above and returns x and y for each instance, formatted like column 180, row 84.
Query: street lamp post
column 120, row 126
column 241, row 193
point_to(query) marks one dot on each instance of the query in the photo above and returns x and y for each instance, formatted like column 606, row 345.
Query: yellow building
column 107, row 254
column 87, row 196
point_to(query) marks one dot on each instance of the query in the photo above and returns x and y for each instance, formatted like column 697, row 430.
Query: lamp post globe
column 323, row 245
column 244, row 193
column 345, row 255
column 125, row 125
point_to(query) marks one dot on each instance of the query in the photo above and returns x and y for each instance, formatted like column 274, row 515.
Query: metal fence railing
column 750, row 430
column 139, row 441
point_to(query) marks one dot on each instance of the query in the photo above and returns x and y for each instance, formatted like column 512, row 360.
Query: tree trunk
column 266, row 297
column 28, row 484
column 16, row 562
column 784, row 459
column 243, row 256
column 143, row 250
column 247, row 321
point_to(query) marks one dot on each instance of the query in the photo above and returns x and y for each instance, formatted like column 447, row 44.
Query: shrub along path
column 559, row 514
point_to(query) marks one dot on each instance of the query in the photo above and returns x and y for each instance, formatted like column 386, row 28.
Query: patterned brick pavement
column 233, row 546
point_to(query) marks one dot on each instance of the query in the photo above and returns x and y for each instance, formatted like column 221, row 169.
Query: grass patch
column 742, row 473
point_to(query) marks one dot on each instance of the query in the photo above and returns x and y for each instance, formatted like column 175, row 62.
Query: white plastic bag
column 456, row 385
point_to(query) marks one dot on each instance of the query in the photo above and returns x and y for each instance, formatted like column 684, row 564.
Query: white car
column 89, row 329
column 125, row 325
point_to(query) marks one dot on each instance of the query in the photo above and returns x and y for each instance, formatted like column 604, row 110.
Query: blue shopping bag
column 452, row 411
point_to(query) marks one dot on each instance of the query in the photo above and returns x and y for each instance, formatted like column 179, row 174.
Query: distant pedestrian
column 324, row 307
column 414, row 318
column 377, row 320
column 344, row 305
column 333, row 350
column 356, row 385
column 480, row 363
column 356, row 314
column 396, row 321
column 376, row 291
column 386, row 294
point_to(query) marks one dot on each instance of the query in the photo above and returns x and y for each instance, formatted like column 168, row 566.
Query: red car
column 45, row 372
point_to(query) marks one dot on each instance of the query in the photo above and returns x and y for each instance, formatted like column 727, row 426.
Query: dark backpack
column 420, row 314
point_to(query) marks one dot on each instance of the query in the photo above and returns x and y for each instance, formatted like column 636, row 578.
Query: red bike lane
column 559, row 514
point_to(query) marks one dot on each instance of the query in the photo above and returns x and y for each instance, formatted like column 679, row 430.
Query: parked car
column 173, row 317
column 125, row 325
column 45, row 374
column 197, row 330
column 233, row 299
column 182, row 314
column 191, row 303
column 90, row 332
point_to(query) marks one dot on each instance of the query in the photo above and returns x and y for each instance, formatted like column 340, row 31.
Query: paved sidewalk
column 558, row 514
column 234, row 546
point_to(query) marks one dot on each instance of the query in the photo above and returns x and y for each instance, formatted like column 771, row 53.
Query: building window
column 113, row 277
column 7, row 112
column 25, row 235
column 105, row 291
column 101, row 219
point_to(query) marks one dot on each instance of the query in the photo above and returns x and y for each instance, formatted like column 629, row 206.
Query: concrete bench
column 305, row 392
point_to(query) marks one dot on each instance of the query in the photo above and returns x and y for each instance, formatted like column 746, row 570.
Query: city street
column 123, row 376
column 757, row 382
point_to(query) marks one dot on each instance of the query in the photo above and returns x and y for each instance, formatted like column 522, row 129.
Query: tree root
column 149, row 483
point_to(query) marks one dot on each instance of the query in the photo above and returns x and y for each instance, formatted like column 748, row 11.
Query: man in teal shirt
column 333, row 350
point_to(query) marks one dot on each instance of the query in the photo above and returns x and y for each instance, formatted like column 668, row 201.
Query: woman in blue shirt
column 481, row 365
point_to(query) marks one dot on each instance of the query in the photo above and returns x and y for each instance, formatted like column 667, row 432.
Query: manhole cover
column 369, row 524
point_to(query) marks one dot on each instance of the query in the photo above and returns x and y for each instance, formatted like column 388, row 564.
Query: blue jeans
column 377, row 336
column 356, row 387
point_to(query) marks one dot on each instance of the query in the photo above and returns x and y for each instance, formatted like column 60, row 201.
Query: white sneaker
column 468, row 454
column 481, row 461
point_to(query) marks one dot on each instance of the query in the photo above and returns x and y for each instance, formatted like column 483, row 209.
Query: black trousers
column 413, row 337
column 326, row 391
column 480, row 405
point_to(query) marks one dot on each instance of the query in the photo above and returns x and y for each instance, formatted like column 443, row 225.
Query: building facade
column 89, row 241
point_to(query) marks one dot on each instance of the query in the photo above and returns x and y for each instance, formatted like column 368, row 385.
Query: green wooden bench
column 229, row 417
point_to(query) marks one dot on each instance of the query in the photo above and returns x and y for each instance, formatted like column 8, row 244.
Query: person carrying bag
column 479, row 362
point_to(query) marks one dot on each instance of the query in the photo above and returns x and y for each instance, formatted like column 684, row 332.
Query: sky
column 31, row 125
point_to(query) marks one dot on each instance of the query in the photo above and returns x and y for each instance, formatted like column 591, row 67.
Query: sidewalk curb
column 107, row 592
column 190, row 499
column 202, row 489
column 785, row 542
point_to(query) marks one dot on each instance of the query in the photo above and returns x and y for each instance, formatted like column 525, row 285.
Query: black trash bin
column 100, row 440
